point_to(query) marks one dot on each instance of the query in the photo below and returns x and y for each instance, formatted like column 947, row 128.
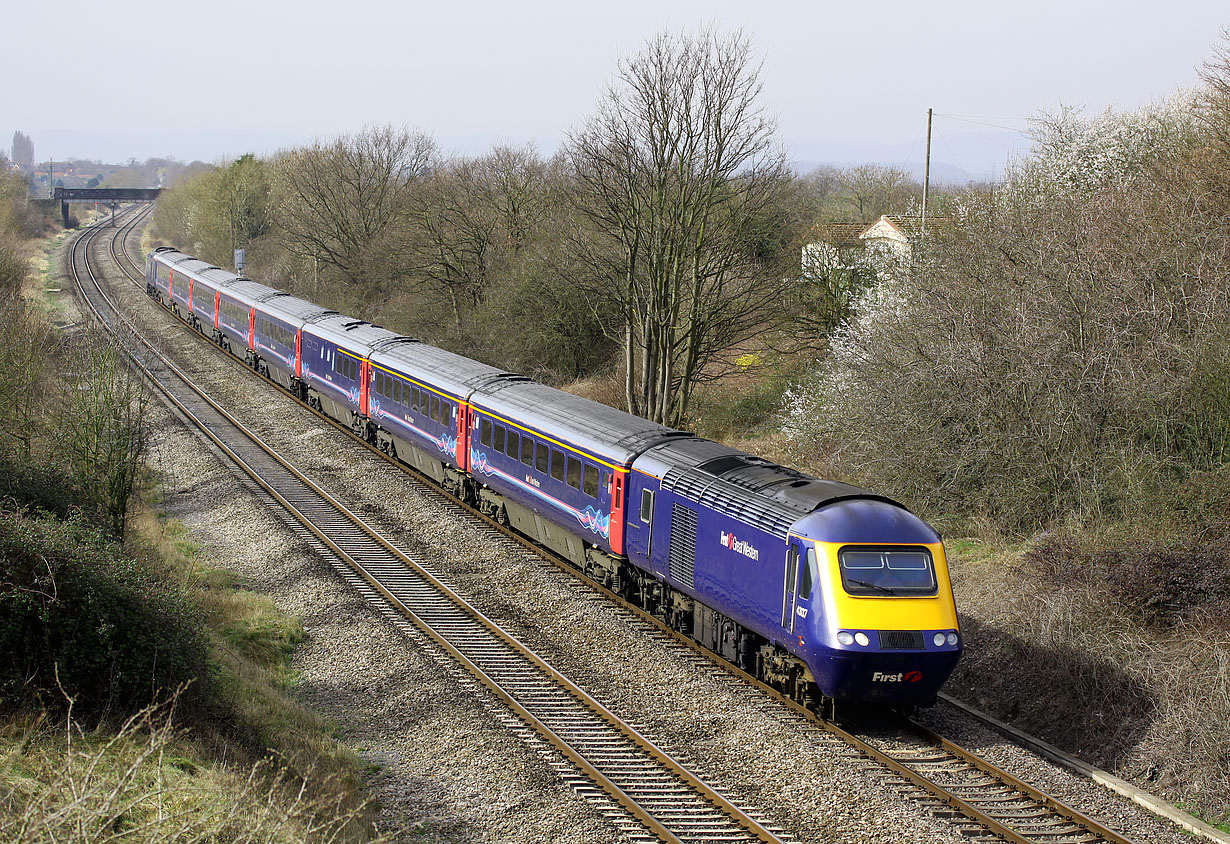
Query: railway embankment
column 144, row 693
column 1113, row 648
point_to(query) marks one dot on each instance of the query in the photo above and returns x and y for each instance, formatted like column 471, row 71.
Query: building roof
column 839, row 234
column 908, row 226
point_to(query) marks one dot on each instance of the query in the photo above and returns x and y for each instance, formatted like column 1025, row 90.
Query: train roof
column 590, row 426
column 194, row 267
column 292, row 309
column 448, row 371
column 250, row 292
column 236, row 286
column 356, row 335
column 756, row 490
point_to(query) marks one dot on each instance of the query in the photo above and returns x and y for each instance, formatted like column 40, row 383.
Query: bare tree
column 873, row 189
column 673, row 168
column 462, row 227
column 334, row 199
column 450, row 237
column 102, row 431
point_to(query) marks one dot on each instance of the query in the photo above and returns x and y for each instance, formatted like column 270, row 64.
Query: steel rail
column 710, row 810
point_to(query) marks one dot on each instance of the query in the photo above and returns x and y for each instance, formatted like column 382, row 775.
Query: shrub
column 1054, row 352
column 78, row 618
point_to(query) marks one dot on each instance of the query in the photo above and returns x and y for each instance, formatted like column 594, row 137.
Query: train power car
column 826, row 591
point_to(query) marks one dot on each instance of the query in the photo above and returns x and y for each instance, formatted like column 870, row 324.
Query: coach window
column 591, row 481
column 527, row 451
column 542, row 457
column 646, row 504
column 808, row 577
column 435, row 407
column 484, row 432
column 415, row 399
column 557, row 464
column 514, row 444
column 498, row 441
column 574, row 473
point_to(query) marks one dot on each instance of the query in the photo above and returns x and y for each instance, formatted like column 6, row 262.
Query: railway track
column 981, row 800
column 659, row 798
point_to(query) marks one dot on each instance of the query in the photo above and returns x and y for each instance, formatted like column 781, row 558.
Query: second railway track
column 981, row 801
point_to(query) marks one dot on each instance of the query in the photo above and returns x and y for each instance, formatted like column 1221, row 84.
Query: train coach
column 826, row 591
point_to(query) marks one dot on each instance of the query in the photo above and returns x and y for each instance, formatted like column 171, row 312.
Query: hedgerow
column 80, row 619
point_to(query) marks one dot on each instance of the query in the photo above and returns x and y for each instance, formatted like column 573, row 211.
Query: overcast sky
column 848, row 81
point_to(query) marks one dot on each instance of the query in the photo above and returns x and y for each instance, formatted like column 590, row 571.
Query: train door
column 790, row 584
column 642, row 493
column 464, row 412
column 617, row 510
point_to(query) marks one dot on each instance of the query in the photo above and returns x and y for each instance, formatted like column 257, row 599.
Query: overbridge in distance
column 111, row 196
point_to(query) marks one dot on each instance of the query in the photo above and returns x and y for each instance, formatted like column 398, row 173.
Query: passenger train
column 828, row 592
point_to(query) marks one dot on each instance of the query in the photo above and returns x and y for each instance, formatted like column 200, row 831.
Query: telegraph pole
column 926, row 174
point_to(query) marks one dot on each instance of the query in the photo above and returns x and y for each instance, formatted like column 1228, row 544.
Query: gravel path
column 446, row 762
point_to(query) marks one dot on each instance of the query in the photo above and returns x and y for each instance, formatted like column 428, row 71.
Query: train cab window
column 527, row 450
column 498, row 440
column 646, row 505
column 484, row 432
column 514, row 444
column 541, row 457
column 891, row 571
column 574, row 473
column 434, row 413
column 807, row 578
column 591, row 481
column 557, row 464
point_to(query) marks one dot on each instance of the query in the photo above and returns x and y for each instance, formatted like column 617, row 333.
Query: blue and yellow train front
column 881, row 624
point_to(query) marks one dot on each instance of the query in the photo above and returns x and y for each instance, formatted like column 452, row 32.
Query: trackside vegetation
column 143, row 697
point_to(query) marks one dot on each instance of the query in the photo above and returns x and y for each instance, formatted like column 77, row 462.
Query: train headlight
column 939, row 639
column 953, row 638
column 862, row 639
column 845, row 638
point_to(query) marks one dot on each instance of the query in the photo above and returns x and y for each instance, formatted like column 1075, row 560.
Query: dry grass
column 145, row 783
